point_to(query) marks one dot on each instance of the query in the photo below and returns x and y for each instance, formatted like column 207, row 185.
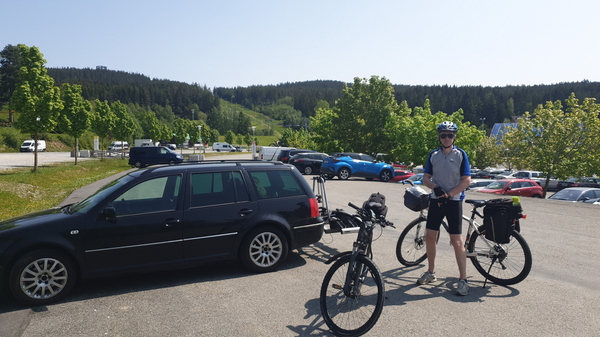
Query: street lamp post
column 254, row 157
column 482, row 120
column 200, row 140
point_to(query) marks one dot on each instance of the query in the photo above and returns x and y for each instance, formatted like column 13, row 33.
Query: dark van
column 152, row 155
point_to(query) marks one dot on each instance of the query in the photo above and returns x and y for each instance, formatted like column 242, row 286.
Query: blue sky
column 229, row 43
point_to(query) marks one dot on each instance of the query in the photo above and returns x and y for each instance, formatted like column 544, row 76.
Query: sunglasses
column 449, row 135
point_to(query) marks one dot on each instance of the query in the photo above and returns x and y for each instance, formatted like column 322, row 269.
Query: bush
column 11, row 139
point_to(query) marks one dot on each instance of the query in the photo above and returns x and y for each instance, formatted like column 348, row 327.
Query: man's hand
column 439, row 191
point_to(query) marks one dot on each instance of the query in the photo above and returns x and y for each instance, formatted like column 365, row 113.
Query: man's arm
column 465, row 181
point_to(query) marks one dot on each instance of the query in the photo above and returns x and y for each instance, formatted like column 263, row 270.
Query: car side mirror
column 110, row 214
column 508, row 188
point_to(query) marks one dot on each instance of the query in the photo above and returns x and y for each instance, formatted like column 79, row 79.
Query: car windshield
column 566, row 194
column 416, row 177
column 92, row 200
column 497, row 185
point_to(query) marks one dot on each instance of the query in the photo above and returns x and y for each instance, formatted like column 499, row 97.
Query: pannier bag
column 499, row 218
column 416, row 199
column 376, row 204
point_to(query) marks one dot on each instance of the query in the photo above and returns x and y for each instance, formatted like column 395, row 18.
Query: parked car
column 576, row 194
column 477, row 184
column 308, row 162
column 518, row 187
column 416, row 179
column 483, row 174
column 29, row 146
column 345, row 165
column 153, row 155
column 578, row 182
column 120, row 145
column 400, row 175
column 161, row 218
column 285, row 154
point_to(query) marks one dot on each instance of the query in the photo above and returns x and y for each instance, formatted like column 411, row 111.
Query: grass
column 22, row 191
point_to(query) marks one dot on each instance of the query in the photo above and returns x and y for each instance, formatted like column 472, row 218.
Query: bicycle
column 352, row 292
column 503, row 264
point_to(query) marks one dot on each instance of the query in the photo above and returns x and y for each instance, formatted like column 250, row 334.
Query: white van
column 223, row 147
column 29, row 146
column 270, row 153
column 118, row 146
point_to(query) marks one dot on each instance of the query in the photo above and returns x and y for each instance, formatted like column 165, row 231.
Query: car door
column 513, row 188
column 218, row 207
column 372, row 169
column 146, row 232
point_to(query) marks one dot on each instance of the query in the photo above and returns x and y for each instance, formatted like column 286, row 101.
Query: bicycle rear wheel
column 503, row 264
column 357, row 313
column 410, row 249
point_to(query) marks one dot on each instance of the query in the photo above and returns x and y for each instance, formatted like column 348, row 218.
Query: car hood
column 32, row 219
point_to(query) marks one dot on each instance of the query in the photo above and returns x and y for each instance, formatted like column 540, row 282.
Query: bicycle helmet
column 447, row 126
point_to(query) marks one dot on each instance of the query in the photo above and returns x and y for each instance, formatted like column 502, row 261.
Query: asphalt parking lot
column 559, row 298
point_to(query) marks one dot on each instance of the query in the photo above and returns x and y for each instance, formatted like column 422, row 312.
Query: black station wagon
column 160, row 218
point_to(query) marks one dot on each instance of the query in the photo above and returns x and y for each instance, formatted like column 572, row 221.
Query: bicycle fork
column 355, row 275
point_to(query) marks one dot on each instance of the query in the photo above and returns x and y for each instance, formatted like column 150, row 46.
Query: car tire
column 41, row 277
column 138, row 164
column 264, row 249
column 343, row 173
column 385, row 176
column 218, row 150
column 307, row 170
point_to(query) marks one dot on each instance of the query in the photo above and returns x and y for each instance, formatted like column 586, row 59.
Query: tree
column 75, row 117
column 181, row 130
column 35, row 98
column 488, row 154
column 229, row 136
column 559, row 142
column 124, row 124
column 9, row 71
column 103, row 122
column 360, row 120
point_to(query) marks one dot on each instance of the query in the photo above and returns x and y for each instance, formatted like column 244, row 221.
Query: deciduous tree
column 35, row 98
column 124, row 124
column 103, row 122
column 559, row 141
column 75, row 117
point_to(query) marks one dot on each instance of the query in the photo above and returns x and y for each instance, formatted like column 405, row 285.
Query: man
column 447, row 173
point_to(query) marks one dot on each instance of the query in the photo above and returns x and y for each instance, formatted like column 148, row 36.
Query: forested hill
column 495, row 104
column 111, row 85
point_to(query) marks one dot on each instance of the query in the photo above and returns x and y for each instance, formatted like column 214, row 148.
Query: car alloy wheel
column 264, row 249
column 385, row 176
column 307, row 170
column 343, row 173
column 41, row 277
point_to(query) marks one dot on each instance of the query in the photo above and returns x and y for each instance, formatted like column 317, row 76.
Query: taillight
column 314, row 207
column 298, row 160
column 335, row 160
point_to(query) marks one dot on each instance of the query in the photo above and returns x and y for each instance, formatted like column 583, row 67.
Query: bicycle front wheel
column 503, row 264
column 410, row 249
column 356, row 312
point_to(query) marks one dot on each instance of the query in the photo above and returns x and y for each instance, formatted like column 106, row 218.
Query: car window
column 154, row 195
column 217, row 188
column 366, row 157
column 497, row 185
column 275, row 184
column 588, row 194
column 527, row 184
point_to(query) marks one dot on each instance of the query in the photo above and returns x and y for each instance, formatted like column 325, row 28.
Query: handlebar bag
column 499, row 217
column 376, row 204
column 416, row 199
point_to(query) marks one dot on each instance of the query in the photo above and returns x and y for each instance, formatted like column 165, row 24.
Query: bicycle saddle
column 476, row 203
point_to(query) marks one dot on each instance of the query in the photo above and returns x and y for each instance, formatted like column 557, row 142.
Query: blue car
column 346, row 165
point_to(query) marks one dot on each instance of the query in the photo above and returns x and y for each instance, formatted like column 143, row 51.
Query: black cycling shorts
column 451, row 210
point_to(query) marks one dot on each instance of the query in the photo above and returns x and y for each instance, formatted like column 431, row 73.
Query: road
column 559, row 298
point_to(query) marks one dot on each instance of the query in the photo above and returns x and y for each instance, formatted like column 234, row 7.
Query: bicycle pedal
column 337, row 286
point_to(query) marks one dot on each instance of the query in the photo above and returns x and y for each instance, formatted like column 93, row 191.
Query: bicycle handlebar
column 363, row 212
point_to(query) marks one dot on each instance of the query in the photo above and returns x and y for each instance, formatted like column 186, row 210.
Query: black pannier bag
column 376, row 203
column 341, row 219
column 499, row 217
column 416, row 199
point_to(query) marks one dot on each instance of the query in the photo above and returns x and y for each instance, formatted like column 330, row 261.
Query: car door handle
column 245, row 212
column 170, row 222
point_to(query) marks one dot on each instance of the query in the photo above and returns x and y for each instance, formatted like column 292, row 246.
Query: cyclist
column 447, row 173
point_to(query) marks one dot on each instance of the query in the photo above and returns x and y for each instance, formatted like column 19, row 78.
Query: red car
column 518, row 187
column 400, row 175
